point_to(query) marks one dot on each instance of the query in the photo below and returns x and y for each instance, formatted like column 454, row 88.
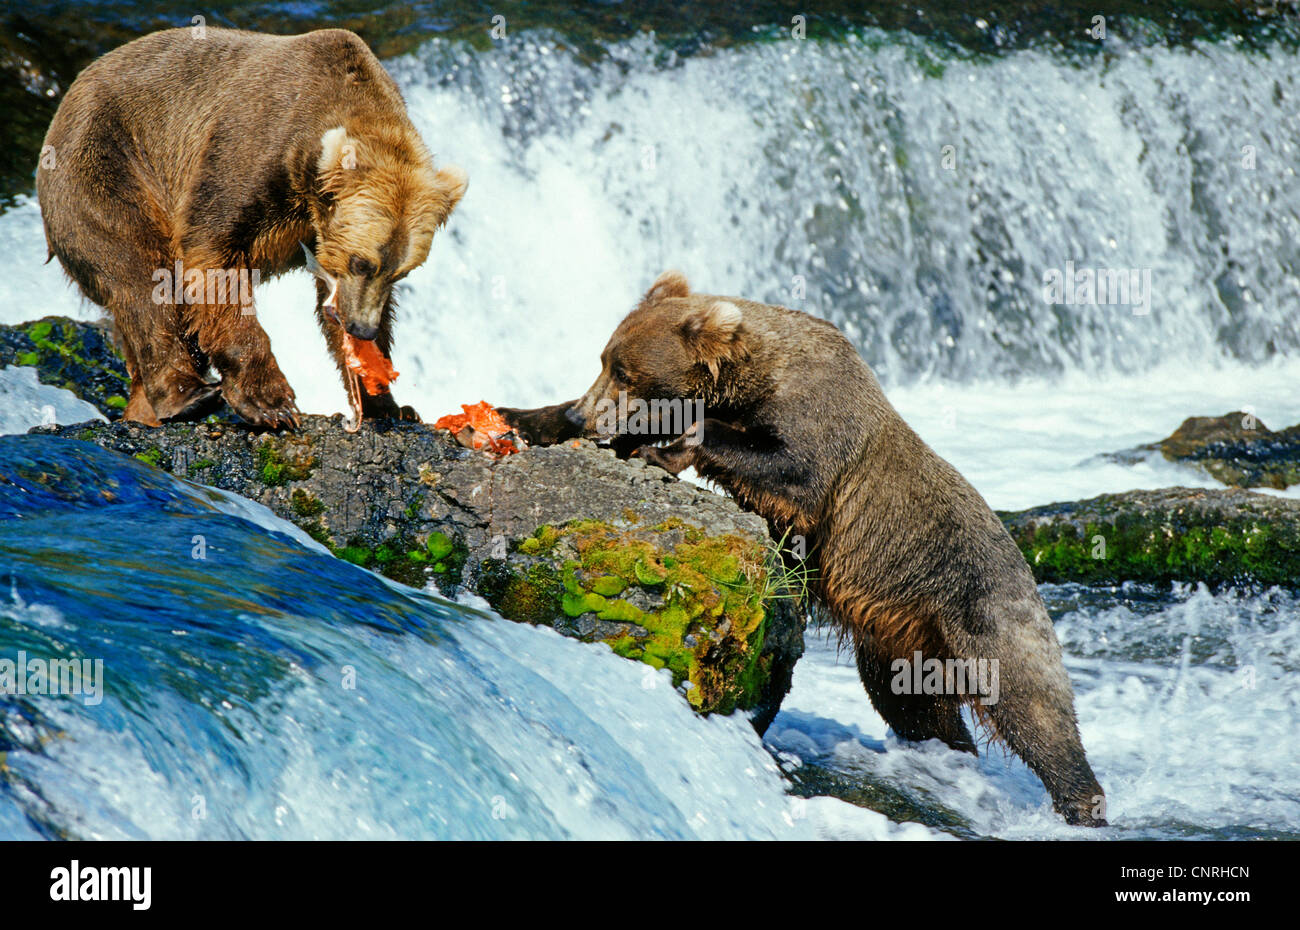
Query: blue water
column 225, row 712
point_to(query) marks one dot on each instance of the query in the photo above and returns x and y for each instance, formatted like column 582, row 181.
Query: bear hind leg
column 1034, row 711
column 1039, row 725
column 165, row 380
column 912, row 717
column 119, row 273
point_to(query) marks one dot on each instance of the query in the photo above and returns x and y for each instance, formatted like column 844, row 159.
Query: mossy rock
column 1158, row 537
column 693, row 604
column 79, row 357
column 405, row 501
column 282, row 460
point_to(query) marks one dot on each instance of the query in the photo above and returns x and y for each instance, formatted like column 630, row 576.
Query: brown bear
column 909, row 561
column 188, row 164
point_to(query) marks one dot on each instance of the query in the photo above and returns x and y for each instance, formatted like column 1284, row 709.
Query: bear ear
column 668, row 284
column 714, row 334
column 451, row 183
column 338, row 153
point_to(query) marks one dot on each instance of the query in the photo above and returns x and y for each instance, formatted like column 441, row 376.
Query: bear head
column 674, row 346
column 379, row 202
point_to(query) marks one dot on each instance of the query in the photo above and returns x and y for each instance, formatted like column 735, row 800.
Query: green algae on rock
column 1218, row 537
column 668, row 595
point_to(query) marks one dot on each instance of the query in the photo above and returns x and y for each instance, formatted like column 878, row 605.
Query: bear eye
column 620, row 374
column 360, row 266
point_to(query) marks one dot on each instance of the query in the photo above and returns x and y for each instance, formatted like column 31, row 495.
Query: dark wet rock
column 1236, row 449
column 80, row 357
column 1174, row 534
column 567, row 536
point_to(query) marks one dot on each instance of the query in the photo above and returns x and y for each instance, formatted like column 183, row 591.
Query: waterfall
column 916, row 196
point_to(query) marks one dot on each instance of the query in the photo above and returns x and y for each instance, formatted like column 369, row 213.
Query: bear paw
column 670, row 459
column 265, row 400
column 383, row 407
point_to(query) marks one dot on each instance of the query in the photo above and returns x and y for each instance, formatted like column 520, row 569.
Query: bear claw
column 273, row 417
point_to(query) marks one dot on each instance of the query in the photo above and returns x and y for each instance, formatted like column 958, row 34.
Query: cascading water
column 914, row 198
column 913, row 195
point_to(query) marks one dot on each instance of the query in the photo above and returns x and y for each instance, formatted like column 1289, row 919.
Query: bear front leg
column 251, row 380
column 677, row 456
column 544, row 426
column 753, row 457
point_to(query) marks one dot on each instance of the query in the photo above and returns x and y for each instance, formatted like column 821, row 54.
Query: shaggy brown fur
column 907, row 556
column 224, row 150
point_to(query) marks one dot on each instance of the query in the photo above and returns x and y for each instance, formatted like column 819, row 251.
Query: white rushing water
column 817, row 176
column 1187, row 706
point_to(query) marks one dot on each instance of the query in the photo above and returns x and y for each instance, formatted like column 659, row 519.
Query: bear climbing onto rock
column 908, row 559
column 185, row 166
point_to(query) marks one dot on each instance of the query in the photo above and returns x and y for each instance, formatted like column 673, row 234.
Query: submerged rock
column 1236, row 449
column 568, row 536
column 1173, row 534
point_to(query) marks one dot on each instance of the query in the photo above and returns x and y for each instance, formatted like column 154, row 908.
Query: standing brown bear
column 186, row 165
column 908, row 557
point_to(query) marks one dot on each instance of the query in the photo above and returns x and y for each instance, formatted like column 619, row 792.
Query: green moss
column 608, row 585
column 575, row 605
column 201, row 465
column 447, row 559
column 63, row 349
column 439, row 545
column 356, row 554
column 542, row 540
column 532, row 596
column 627, row 646
column 116, row 400
column 621, row 611
column 305, row 504
column 648, row 574
column 1160, row 551
column 151, row 456
column 709, row 633
column 400, row 559
column 275, row 469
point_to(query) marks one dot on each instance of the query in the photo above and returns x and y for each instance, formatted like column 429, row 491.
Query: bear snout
column 360, row 330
